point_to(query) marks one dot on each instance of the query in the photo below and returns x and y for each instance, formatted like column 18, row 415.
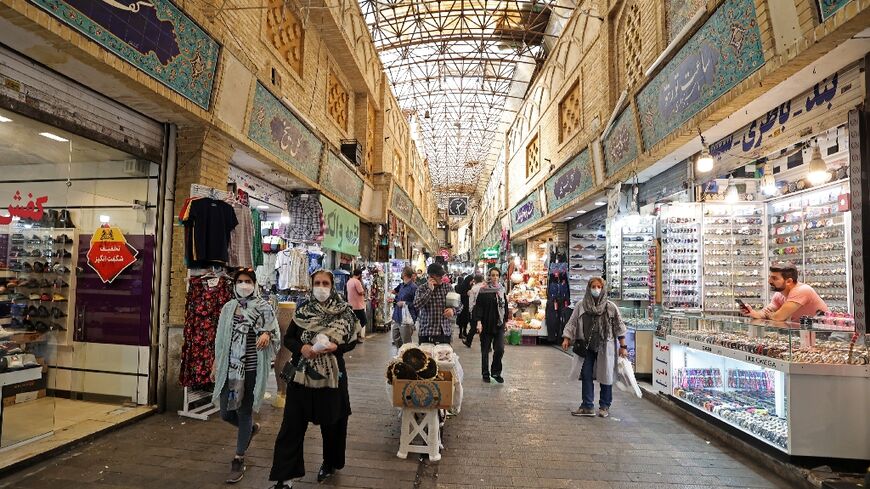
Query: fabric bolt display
column 257, row 239
column 208, row 224
column 292, row 267
column 242, row 239
column 306, row 219
column 205, row 298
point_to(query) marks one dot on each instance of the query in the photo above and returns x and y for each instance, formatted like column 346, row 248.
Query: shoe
column 64, row 239
column 34, row 297
column 39, row 267
column 237, row 470
column 58, row 298
column 57, row 327
column 486, row 379
column 577, row 266
column 28, row 268
column 42, row 312
column 65, row 254
column 467, row 343
column 325, row 472
column 46, row 298
column 582, row 411
column 498, row 378
column 603, row 412
column 35, row 253
column 60, row 269
column 60, row 284
column 17, row 237
column 254, row 430
column 57, row 313
column 591, row 247
column 280, row 401
column 283, row 485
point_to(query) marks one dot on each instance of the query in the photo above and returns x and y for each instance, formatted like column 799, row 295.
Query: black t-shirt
column 208, row 227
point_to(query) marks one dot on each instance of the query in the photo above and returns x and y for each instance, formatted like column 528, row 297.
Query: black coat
column 487, row 312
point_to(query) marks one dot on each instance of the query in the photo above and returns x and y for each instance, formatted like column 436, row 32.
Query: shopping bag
column 406, row 316
column 576, row 366
column 625, row 380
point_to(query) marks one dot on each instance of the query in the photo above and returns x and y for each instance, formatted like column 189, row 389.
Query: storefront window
column 78, row 227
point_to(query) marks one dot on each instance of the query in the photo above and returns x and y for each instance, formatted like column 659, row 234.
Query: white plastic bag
column 406, row 316
column 321, row 343
column 576, row 367
column 625, row 380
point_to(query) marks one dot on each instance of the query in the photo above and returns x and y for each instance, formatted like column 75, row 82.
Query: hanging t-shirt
column 266, row 271
column 257, row 245
column 209, row 224
column 241, row 239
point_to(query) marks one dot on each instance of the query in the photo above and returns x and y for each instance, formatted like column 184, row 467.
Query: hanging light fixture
column 705, row 160
column 768, row 183
column 818, row 170
column 731, row 195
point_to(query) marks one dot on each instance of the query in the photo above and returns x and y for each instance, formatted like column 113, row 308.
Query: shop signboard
column 343, row 182
column 154, row 36
column 827, row 8
column 109, row 253
column 721, row 54
column 342, row 228
column 274, row 127
column 527, row 212
column 574, row 178
column 401, row 204
column 783, row 125
column 620, row 145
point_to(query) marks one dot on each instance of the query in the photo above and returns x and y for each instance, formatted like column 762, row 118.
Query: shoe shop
column 78, row 238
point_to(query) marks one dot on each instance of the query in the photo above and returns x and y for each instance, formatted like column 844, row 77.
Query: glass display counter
column 640, row 324
column 803, row 389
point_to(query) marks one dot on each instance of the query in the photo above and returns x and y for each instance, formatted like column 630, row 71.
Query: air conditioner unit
column 136, row 168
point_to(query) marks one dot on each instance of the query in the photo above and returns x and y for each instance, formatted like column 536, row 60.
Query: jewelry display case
column 640, row 323
column 681, row 256
column 767, row 379
column 638, row 258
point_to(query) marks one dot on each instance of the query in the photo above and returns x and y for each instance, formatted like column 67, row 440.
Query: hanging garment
column 266, row 271
column 257, row 244
column 306, row 219
column 208, row 224
column 205, row 298
column 292, row 266
column 242, row 239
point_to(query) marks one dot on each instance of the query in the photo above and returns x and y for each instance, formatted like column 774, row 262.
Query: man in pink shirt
column 356, row 296
column 792, row 299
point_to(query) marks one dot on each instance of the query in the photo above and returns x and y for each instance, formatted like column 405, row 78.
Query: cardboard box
column 24, row 391
column 424, row 394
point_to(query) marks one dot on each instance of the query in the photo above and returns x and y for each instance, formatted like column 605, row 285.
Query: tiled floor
column 519, row 434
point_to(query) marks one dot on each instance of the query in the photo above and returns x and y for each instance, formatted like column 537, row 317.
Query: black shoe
column 325, row 472
column 283, row 485
column 237, row 470
column 486, row 379
column 467, row 343
column 498, row 378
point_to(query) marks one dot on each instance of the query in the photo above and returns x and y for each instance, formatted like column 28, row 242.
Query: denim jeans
column 242, row 418
column 586, row 375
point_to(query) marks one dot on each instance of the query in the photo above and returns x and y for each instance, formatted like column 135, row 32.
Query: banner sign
column 344, row 183
column 724, row 51
column 401, row 204
column 784, row 124
column 110, row 254
column 827, row 8
column 574, row 178
column 342, row 228
column 527, row 212
column 274, row 127
column 620, row 145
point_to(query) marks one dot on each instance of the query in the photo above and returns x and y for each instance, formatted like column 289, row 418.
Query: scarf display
column 333, row 318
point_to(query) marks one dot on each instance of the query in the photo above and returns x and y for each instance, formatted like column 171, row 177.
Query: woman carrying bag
column 597, row 333
column 323, row 330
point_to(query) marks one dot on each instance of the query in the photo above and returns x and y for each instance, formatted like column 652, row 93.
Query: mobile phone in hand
column 742, row 304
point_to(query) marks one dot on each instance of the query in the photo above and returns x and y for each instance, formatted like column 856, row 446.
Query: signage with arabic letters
column 344, row 183
column 274, row 127
column 33, row 210
column 110, row 254
column 570, row 181
column 342, row 228
column 401, row 204
column 527, row 212
column 620, row 145
column 724, row 51
column 784, row 123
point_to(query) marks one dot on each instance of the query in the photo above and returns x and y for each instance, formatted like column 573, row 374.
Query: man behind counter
column 792, row 299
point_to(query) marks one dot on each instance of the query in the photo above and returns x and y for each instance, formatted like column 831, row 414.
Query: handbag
column 579, row 347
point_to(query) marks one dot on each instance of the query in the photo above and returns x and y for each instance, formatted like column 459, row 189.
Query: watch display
column 638, row 259
column 681, row 256
column 734, row 257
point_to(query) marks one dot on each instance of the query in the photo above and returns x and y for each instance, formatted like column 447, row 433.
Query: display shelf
column 586, row 257
column 681, row 256
column 23, row 375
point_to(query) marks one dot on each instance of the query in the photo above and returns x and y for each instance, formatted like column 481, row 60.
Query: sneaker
column 57, row 298
column 57, row 313
column 283, row 485
column 603, row 412
column 576, row 266
column 237, row 470
column 582, row 411
column 325, row 472
column 498, row 378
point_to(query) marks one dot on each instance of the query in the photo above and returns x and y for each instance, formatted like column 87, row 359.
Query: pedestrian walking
column 472, row 298
column 490, row 316
column 463, row 320
column 246, row 341
column 436, row 318
column 356, row 296
column 404, row 312
column 597, row 332
column 317, row 385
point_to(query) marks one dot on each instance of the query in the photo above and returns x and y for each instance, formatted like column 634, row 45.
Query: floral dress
column 202, row 311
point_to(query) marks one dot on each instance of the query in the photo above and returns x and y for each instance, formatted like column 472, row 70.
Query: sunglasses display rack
column 810, row 231
column 734, row 257
column 638, row 245
column 614, row 261
column 681, row 256
column 586, row 253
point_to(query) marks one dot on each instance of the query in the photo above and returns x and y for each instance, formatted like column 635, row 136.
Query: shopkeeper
column 792, row 300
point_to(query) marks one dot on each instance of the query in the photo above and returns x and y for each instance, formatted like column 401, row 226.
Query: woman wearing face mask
column 316, row 382
column 597, row 321
column 246, row 341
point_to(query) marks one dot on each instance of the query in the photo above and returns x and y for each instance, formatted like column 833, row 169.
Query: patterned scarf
column 335, row 319
column 253, row 310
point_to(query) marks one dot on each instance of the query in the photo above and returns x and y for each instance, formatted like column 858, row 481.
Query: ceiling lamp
column 705, row 160
column 731, row 195
column 768, row 183
column 818, row 171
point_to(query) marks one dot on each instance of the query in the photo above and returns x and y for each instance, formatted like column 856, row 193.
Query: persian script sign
column 110, row 254
column 724, row 51
column 278, row 131
column 527, row 212
column 569, row 182
column 620, row 146
column 153, row 35
column 401, row 204
column 343, row 182
column 342, row 228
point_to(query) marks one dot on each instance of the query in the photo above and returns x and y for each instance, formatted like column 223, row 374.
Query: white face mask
column 321, row 293
column 244, row 290
column 596, row 292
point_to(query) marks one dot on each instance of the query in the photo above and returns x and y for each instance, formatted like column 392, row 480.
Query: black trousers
column 361, row 315
column 495, row 343
column 462, row 321
column 288, row 461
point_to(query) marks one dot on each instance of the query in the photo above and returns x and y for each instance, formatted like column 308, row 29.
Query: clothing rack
column 197, row 190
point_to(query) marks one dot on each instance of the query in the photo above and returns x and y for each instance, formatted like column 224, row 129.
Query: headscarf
column 593, row 305
column 596, row 307
column 333, row 318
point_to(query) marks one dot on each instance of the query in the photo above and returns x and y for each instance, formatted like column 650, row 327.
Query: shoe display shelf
column 587, row 252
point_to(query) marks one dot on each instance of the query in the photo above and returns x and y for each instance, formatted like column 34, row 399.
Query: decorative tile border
column 344, row 183
column 154, row 36
column 679, row 13
column 620, row 145
column 527, row 212
column 574, row 178
column 278, row 131
column 724, row 51
column 827, row 8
